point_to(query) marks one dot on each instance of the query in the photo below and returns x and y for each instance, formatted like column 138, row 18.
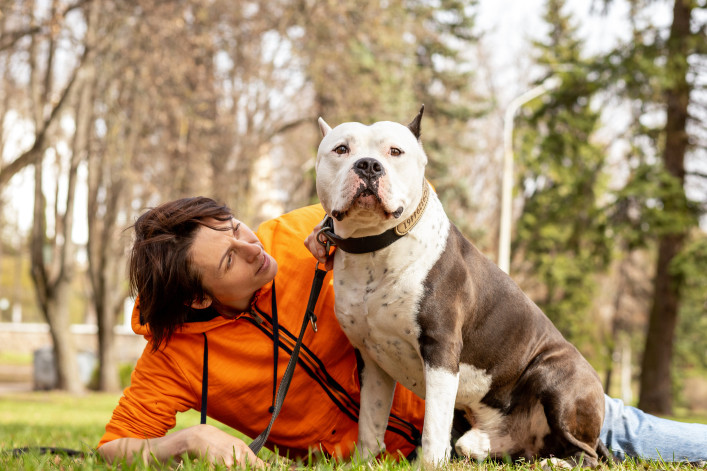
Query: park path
column 15, row 378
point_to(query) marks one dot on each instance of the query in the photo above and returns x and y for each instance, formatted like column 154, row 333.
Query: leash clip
column 323, row 238
column 313, row 321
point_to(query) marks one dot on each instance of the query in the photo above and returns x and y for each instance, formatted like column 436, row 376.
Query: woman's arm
column 200, row 441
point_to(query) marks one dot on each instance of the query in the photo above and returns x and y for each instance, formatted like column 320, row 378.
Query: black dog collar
column 359, row 245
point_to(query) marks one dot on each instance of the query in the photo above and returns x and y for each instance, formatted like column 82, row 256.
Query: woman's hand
column 318, row 249
column 219, row 447
column 199, row 441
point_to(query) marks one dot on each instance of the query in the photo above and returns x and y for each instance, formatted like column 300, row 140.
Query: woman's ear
column 203, row 304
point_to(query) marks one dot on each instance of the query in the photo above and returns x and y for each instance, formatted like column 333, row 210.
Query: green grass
column 12, row 358
column 59, row 420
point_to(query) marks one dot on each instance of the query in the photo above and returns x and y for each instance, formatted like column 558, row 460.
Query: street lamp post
column 504, row 238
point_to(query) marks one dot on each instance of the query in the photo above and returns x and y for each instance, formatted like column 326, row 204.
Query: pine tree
column 562, row 230
column 656, row 72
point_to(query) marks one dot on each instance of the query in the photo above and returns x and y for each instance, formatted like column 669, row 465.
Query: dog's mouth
column 367, row 200
column 366, row 195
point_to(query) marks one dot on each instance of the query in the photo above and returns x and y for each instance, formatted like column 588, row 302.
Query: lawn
column 56, row 419
column 59, row 420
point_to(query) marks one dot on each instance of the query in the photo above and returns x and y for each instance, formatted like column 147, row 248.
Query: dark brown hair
column 161, row 273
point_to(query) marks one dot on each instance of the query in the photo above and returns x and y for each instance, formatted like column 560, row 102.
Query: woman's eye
column 395, row 152
column 229, row 260
column 342, row 149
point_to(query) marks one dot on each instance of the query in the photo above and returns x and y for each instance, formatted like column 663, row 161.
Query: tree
column 562, row 230
column 398, row 56
column 106, row 181
column 261, row 96
column 52, row 255
column 10, row 38
column 656, row 73
column 444, row 80
column 688, row 266
column 656, row 380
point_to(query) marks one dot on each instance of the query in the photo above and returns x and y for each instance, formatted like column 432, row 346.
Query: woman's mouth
column 264, row 265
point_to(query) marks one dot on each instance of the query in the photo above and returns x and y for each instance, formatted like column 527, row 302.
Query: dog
column 426, row 309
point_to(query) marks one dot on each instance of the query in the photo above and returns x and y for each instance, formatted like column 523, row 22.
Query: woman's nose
column 250, row 251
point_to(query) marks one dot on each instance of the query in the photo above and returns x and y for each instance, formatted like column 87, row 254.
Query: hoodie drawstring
column 275, row 344
column 205, row 380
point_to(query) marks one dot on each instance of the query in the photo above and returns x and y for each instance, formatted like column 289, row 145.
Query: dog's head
column 369, row 177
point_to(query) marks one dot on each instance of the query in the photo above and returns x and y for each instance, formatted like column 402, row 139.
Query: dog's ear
column 323, row 126
column 414, row 125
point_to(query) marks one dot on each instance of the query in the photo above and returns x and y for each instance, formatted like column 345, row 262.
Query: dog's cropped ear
column 323, row 126
column 414, row 125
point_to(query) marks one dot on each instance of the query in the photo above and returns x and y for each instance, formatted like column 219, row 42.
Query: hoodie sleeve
column 158, row 390
column 290, row 228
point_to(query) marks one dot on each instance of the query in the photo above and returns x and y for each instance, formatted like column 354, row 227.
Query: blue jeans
column 631, row 433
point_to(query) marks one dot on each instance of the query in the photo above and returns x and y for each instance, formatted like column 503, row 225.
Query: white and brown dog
column 426, row 309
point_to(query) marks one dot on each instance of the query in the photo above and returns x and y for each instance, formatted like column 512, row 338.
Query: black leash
column 309, row 316
column 42, row 450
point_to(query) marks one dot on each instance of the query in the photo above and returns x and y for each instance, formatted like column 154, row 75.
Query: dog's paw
column 474, row 444
column 368, row 453
column 433, row 457
column 552, row 464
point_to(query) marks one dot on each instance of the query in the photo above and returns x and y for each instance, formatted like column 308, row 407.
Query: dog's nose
column 368, row 168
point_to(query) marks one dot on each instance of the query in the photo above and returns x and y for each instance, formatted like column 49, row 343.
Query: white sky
column 509, row 26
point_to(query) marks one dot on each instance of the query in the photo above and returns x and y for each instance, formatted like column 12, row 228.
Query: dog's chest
column 378, row 295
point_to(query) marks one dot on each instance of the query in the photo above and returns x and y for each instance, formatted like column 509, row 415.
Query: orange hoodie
column 321, row 407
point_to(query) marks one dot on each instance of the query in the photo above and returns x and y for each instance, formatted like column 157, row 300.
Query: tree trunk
column 656, row 380
column 57, row 314
column 108, row 378
column 106, row 264
column 101, row 221
column 52, row 257
column 52, row 294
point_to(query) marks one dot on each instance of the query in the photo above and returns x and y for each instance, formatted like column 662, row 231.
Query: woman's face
column 232, row 263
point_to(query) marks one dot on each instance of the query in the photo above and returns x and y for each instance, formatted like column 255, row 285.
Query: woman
column 205, row 282
column 214, row 299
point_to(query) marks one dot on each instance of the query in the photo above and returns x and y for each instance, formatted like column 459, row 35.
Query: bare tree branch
column 10, row 38
column 27, row 157
column 696, row 173
column 290, row 125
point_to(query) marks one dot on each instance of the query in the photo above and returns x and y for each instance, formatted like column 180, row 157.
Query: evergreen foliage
column 573, row 225
column 562, row 231
column 640, row 212
column 655, row 74
column 689, row 268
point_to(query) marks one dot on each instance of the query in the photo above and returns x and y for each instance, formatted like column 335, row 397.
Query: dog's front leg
column 440, row 394
column 377, row 388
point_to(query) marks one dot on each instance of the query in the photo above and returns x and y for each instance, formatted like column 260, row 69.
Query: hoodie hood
column 191, row 327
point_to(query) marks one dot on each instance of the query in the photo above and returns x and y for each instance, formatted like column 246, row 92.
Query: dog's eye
column 341, row 150
column 394, row 151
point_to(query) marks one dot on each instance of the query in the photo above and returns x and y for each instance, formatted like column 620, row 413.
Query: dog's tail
column 605, row 454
